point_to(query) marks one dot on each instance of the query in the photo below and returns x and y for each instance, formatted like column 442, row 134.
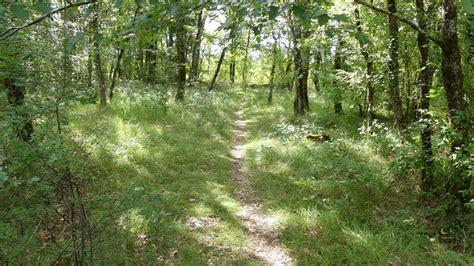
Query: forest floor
column 201, row 184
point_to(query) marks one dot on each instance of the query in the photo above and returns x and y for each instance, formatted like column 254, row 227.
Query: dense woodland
column 117, row 118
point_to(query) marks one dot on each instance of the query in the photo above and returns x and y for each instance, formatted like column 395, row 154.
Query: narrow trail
column 262, row 234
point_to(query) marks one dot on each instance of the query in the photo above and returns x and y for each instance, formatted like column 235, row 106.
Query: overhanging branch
column 435, row 39
column 8, row 33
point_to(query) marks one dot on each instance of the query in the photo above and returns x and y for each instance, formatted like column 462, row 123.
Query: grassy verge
column 343, row 201
column 163, row 191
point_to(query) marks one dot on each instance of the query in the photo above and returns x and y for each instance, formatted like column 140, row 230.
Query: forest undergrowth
column 157, row 187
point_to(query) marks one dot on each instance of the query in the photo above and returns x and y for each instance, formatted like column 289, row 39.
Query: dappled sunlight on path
column 262, row 234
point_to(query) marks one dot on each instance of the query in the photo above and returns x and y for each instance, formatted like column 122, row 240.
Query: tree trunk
column 301, row 56
column 151, row 62
column 369, row 71
column 16, row 98
column 317, row 68
column 194, row 70
column 181, row 52
column 272, row 79
column 289, row 83
column 232, row 62
column 459, row 183
column 89, row 70
column 337, row 67
column 272, row 71
column 393, row 66
column 216, row 73
column 115, row 73
column 98, row 64
column 244, row 69
column 425, row 79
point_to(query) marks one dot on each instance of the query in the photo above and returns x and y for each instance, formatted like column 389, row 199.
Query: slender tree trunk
column 98, row 64
column 115, row 73
column 232, row 71
column 181, row 51
column 369, row 71
column 425, row 79
column 337, row 66
column 16, row 98
column 470, row 57
column 232, row 62
column 89, row 70
column 288, row 73
column 244, row 69
column 272, row 81
column 194, row 70
column 393, row 66
column 317, row 68
column 216, row 73
column 272, row 71
column 151, row 56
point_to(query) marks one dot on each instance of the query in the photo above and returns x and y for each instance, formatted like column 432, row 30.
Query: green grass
column 165, row 163
column 159, row 165
column 343, row 201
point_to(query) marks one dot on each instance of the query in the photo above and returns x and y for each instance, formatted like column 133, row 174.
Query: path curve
column 262, row 234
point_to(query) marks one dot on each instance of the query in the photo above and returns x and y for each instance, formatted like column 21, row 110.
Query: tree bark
column 244, row 69
column 369, row 72
column 337, row 66
column 271, row 85
column 216, row 73
column 301, row 61
column 459, row 183
column 393, row 66
column 97, row 59
column 16, row 98
column 115, row 73
column 194, row 70
column 272, row 71
column 232, row 62
column 151, row 62
column 181, row 52
column 317, row 68
column 425, row 79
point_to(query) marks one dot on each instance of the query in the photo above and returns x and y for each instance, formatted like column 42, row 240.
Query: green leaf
column 362, row 37
column 3, row 177
column 98, row 37
column 153, row 2
column 300, row 12
column 242, row 12
column 273, row 12
column 71, row 43
column 89, row 10
column 341, row 17
column 20, row 12
column 323, row 19
column 43, row 7
column 468, row 6
column 118, row 3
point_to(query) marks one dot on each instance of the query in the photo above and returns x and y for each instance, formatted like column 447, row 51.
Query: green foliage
column 350, row 200
column 19, row 11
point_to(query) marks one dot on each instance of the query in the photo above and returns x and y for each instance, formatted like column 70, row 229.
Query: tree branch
column 8, row 33
column 435, row 39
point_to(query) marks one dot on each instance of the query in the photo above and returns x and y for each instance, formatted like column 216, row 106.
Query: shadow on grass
column 168, row 165
column 336, row 197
